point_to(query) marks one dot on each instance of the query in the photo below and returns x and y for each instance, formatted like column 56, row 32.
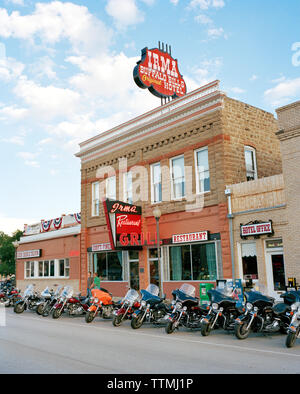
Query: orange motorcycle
column 100, row 303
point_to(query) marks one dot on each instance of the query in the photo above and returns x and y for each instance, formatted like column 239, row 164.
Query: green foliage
column 7, row 252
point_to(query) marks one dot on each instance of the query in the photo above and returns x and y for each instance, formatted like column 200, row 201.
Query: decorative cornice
column 196, row 104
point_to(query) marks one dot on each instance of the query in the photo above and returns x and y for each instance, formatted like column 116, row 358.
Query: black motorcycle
column 29, row 300
column 186, row 309
column 223, row 310
column 152, row 309
column 263, row 315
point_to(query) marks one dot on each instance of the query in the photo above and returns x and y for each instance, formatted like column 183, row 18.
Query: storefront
column 258, row 234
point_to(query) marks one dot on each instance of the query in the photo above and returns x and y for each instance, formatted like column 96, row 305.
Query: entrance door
column 133, row 260
column 275, row 273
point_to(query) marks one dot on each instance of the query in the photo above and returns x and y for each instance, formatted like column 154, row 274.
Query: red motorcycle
column 10, row 296
column 129, row 304
column 70, row 304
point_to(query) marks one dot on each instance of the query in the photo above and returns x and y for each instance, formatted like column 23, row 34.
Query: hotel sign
column 256, row 229
column 191, row 237
column 158, row 72
column 28, row 254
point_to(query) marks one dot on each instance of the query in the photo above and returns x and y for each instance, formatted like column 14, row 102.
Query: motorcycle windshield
column 28, row 291
column 58, row 290
column 67, row 292
column 256, row 296
column 220, row 294
column 132, row 295
column 153, row 289
column 187, row 289
column 46, row 292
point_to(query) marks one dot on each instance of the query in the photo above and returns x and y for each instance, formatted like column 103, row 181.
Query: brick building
column 289, row 136
column 49, row 253
column 178, row 157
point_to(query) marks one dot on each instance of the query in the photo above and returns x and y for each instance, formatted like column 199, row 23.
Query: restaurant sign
column 158, row 72
column 28, row 254
column 256, row 229
column 122, row 220
column 191, row 237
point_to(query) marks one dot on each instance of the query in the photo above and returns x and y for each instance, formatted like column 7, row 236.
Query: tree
column 7, row 252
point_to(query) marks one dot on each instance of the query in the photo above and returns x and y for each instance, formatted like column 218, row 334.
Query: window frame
column 95, row 201
column 197, row 172
column 153, row 201
column 253, row 151
column 107, row 182
column 172, row 180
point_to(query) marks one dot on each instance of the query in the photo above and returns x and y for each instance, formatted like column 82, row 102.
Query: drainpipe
column 230, row 216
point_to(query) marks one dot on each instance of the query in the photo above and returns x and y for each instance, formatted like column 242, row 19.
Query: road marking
column 167, row 337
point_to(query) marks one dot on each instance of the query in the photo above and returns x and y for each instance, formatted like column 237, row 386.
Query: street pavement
column 34, row 344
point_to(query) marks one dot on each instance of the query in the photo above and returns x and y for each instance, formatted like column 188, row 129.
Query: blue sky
column 66, row 75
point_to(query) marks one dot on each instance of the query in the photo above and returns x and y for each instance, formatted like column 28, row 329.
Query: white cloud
column 206, row 4
column 175, row 2
column 52, row 22
column 47, row 102
column 207, row 72
column 253, row 77
column 203, row 19
column 16, row 140
column 216, row 33
column 124, row 12
column 29, row 159
column 13, row 112
column 286, row 91
column 10, row 69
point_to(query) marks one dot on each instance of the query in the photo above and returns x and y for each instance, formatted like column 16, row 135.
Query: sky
column 66, row 74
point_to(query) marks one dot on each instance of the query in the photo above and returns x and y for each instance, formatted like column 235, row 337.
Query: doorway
column 133, row 263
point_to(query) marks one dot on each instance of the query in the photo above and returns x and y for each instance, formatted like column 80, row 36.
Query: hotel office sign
column 158, row 72
column 256, row 229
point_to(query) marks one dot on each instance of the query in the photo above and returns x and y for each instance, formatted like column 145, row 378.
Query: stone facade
column 289, row 136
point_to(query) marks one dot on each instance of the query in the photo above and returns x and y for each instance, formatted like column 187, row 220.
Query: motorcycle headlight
column 143, row 303
column 96, row 300
column 215, row 306
column 178, row 305
column 249, row 306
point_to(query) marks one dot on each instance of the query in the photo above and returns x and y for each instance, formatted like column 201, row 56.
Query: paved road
column 33, row 344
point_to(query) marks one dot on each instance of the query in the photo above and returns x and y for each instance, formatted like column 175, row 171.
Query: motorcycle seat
column 280, row 308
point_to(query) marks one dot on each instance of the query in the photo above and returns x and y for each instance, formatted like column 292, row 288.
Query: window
column 153, row 266
column 95, row 199
column 177, row 177
column 250, row 160
column 111, row 191
column 156, row 187
column 64, row 267
column 29, row 269
column 202, row 171
column 109, row 266
column 128, row 196
column 193, row 262
column 46, row 268
column 249, row 260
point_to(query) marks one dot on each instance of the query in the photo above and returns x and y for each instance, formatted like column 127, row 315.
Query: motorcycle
column 186, row 311
column 101, row 303
column 130, row 302
column 223, row 310
column 9, row 295
column 46, row 308
column 70, row 304
column 152, row 308
column 29, row 300
column 263, row 315
column 294, row 327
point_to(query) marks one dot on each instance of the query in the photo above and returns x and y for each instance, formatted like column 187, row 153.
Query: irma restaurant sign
column 158, row 72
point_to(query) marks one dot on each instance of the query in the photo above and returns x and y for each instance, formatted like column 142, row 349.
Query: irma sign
column 158, row 72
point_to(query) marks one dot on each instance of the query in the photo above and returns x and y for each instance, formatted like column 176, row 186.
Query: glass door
column 275, row 273
column 133, row 261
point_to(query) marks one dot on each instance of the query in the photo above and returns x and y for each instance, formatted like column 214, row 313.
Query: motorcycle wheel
column 40, row 309
column 117, row 320
column 205, row 329
column 241, row 331
column 170, row 327
column 7, row 304
column 290, row 339
column 56, row 313
column 89, row 316
column 19, row 308
column 137, row 322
